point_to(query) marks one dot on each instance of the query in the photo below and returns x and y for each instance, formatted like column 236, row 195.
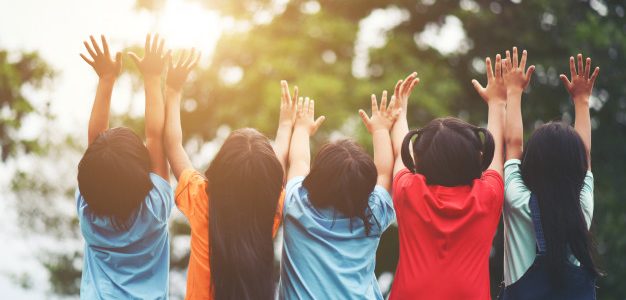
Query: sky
column 56, row 30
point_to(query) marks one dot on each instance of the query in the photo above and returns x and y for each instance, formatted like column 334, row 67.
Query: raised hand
column 495, row 90
column 154, row 60
column 516, row 78
column 179, row 71
column 101, row 61
column 305, row 116
column 383, row 117
column 403, row 90
column 288, row 106
column 581, row 84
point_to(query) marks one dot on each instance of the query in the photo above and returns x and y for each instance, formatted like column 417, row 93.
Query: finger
column 307, row 102
column 155, row 43
column 529, row 73
column 506, row 66
column 118, row 57
column 95, row 45
column 295, row 95
column 284, row 89
column 105, row 45
column 515, row 58
column 498, row 66
column 300, row 105
column 364, row 117
column 396, row 89
column 522, row 63
column 318, row 123
column 374, row 104
column 565, row 81
column 168, row 57
column 86, row 60
column 146, row 47
column 507, row 60
column 572, row 67
column 404, row 89
column 134, row 57
column 587, row 67
column 392, row 103
column 161, row 46
column 190, row 57
column 181, row 57
column 88, row 47
column 414, row 84
column 489, row 69
column 312, row 107
column 479, row 88
column 580, row 64
column 596, row 71
column 383, row 102
column 195, row 61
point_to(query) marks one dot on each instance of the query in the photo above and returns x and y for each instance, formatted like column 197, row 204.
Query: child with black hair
column 548, row 195
column 124, row 199
column 336, row 210
column 448, row 197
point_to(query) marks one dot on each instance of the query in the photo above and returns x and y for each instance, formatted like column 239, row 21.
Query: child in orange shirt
column 234, row 210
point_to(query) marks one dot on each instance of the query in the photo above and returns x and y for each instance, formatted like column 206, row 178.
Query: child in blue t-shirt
column 336, row 210
column 124, row 199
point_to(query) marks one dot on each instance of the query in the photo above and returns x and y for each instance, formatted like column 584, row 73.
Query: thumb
column 135, row 58
column 565, row 81
column 479, row 88
column 318, row 123
column 529, row 73
column 364, row 117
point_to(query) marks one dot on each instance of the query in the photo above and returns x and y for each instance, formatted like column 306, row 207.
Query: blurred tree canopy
column 316, row 45
column 18, row 73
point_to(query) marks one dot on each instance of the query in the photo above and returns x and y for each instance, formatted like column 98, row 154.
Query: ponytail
column 405, row 152
column 487, row 146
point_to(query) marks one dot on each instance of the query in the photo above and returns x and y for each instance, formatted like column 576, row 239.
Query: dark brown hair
column 245, row 183
column 448, row 152
column 343, row 176
column 114, row 175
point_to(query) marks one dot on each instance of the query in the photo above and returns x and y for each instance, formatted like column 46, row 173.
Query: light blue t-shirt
column 128, row 264
column 322, row 258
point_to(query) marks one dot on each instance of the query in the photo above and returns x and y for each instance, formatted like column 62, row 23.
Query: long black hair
column 343, row 176
column 245, row 183
column 448, row 152
column 553, row 167
column 114, row 175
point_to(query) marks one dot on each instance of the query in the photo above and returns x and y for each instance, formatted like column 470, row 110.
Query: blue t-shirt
column 128, row 264
column 322, row 258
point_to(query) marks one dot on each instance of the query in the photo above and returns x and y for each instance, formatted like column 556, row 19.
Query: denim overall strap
column 536, row 216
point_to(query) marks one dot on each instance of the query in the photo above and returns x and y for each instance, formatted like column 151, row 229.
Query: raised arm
column 495, row 96
column 285, row 124
column 516, row 79
column 173, row 139
column 151, row 67
column 305, row 126
column 400, row 128
column 107, row 70
column 580, row 88
column 378, row 126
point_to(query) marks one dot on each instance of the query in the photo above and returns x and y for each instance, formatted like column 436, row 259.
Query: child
column 448, row 199
column 234, row 210
column 334, row 216
column 124, row 198
column 549, row 195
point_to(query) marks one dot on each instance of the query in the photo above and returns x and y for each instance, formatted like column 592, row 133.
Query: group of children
column 445, row 184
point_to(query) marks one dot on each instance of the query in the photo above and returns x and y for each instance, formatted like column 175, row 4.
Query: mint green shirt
column 519, row 235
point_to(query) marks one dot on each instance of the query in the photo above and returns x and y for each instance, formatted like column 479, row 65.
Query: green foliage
column 18, row 72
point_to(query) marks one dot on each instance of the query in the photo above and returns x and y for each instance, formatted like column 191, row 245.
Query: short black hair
column 114, row 175
column 343, row 176
column 448, row 152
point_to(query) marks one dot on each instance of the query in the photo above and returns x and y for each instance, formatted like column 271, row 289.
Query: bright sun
column 188, row 24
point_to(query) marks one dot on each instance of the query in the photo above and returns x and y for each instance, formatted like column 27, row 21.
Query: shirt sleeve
column 291, row 190
column 161, row 197
column 516, row 194
column 495, row 185
column 398, row 183
column 381, row 205
column 191, row 189
column 586, row 198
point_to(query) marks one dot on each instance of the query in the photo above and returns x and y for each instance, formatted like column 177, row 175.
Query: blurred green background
column 326, row 49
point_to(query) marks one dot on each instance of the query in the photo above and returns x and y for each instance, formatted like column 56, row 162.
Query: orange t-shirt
column 193, row 201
